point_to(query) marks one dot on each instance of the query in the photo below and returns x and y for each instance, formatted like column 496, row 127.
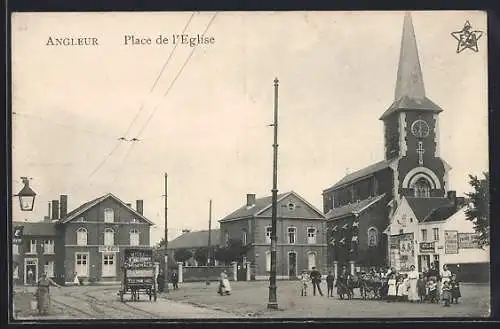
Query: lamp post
column 273, row 301
column 26, row 196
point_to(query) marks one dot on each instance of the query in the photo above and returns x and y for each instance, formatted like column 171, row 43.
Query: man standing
column 160, row 281
column 316, row 280
column 175, row 280
column 330, row 278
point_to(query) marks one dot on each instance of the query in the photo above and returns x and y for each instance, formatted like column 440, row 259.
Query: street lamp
column 273, row 301
column 26, row 196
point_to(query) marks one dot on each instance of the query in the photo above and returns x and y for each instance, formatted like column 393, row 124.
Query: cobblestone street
column 248, row 300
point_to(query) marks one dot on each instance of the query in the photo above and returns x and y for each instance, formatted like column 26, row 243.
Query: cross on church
column 420, row 151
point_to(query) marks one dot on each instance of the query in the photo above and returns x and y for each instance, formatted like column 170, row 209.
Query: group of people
column 160, row 280
column 431, row 286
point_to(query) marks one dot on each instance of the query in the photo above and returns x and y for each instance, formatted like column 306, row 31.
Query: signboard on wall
column 109, row 249
column 467, row 241
column 427, row 247
column 451, row 242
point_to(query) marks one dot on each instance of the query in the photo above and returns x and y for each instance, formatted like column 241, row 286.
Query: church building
column 360, row 206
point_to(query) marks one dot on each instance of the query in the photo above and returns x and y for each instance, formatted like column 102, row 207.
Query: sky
column 206, row 125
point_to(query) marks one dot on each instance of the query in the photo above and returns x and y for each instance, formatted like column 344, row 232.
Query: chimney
column 63, row 206
column 250, row 200
column 452, row 196
column 55, row 209
column 50, row 211
column 139, row 206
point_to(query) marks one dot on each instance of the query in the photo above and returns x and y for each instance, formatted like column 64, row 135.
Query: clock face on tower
column 420, row 128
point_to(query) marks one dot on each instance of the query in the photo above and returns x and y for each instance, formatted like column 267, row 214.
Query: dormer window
column 109, row 215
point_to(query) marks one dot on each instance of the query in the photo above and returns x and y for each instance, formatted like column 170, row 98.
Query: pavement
column 248, row 300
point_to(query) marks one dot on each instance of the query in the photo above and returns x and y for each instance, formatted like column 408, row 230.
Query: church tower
column 411, row 128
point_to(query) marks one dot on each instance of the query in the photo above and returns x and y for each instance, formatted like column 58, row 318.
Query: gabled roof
column 371, row 169
column 87, row 205
column 430, row 209
column 353, row 208
column 262, row 204
column 195, row 239
column 36, row 228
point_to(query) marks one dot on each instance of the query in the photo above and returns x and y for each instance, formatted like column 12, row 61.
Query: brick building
column 300, row 230
column 360, row 206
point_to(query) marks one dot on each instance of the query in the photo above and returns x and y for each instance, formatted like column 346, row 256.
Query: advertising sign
column 451, row 242
column 467, row 241
column 406, row 252
column 427, row 247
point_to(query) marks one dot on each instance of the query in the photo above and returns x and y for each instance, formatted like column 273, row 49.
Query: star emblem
column 467, row 38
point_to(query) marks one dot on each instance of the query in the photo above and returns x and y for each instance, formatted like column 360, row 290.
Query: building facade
column 412, row 167
column 301, row 236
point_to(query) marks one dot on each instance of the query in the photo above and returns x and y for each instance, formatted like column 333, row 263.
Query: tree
column 201, row 255
column 478, row 209
column 232, row 252
column 182, row 255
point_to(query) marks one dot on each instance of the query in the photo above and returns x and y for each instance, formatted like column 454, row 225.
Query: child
column 421, row 289
column 400, row 288
column 432, row 286
column 304, row 278
column 406, row 287
column 329, row 282
column 391, row 292
column 446, row 293
column 455, row 289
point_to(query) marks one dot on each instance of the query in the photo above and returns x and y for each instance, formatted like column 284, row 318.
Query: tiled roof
column 440, row 214
column 36, row 228
column 90, row 204
column 353, row 208
column 428, row 207
column 260, row 204
column 361, row 173
column 407, row 103
column 195, row 239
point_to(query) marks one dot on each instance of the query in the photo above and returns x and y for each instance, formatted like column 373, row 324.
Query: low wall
column 203, row 273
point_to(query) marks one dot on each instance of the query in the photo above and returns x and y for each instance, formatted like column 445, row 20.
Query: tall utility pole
column 209, row 253
column 166, row 234
column 273, row 300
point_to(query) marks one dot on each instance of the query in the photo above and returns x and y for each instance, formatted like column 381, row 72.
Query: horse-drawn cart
column 139, row 274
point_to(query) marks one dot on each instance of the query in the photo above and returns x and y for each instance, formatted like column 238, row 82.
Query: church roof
column 431, row 209
column 371, row 169
column 410, row 90
column 353, row 208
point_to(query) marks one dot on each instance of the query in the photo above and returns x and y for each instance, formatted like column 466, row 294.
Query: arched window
column 422, row 188
column 81, row 236
column 109, row 215
column 134, row 237
column 373, row 237
column 311, row 260
column 109, row 237
column 244, row 237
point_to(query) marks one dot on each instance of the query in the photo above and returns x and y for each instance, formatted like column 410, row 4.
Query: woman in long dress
column 412, row 282
column 43, row 295
column 224, row 285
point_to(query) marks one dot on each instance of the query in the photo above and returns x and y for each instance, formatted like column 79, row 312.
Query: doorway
column 30, row 270
column 292, row 264
column 108, row 265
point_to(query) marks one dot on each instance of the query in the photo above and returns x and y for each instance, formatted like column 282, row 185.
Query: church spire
column 410, row 82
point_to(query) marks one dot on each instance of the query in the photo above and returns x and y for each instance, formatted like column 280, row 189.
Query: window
column 82, row 264
column 435, row 233
column 424, row 235
column 291, row 206
column 48, row 246
column 33, row 246
column 292, row 235
column 109, row 237
column 226, row 237
column 134, row 221
column 422, row 188
column 81, row 236
column 49, row 268
column 134, row 237
column 244, row 237
column 15, row 249
column 268, row 261
column 311, row 235
column 109, row 215
column 269, row 231
column 15, row 272
column 372, row 237
column 311, row 260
